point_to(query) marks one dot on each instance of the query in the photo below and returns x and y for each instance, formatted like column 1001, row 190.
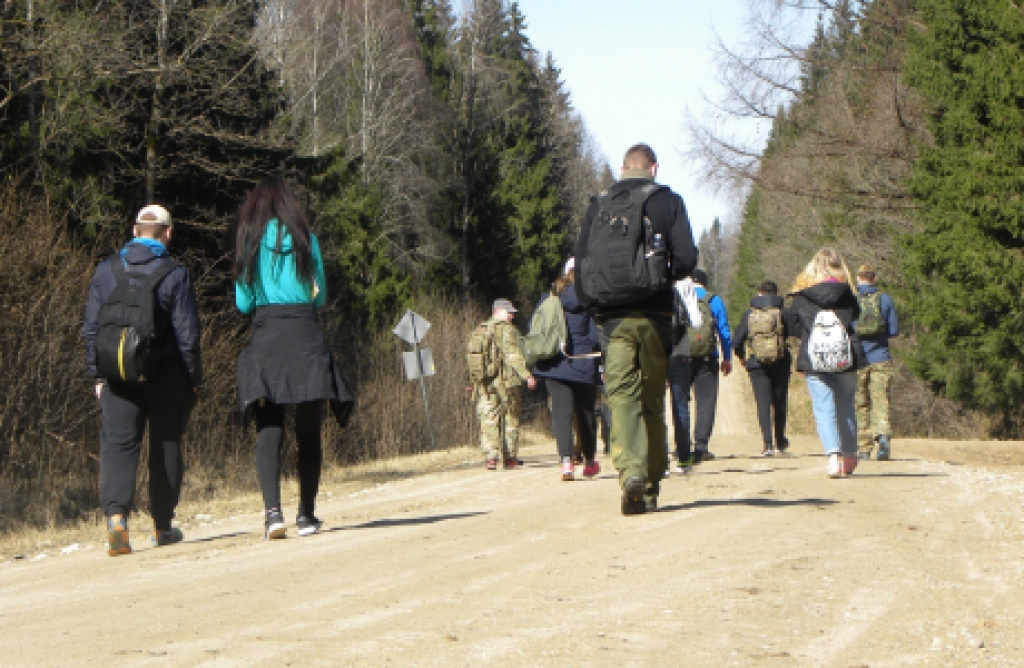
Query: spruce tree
column 966, row 265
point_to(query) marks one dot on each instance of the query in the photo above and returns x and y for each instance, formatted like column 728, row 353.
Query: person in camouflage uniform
column 499, row 399
column 879, row 324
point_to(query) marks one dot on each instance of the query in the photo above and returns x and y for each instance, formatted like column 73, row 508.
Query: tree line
column 438, row 153
column 895, row 136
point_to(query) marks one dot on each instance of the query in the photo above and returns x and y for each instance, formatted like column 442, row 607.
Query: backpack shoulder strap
column 159, row 274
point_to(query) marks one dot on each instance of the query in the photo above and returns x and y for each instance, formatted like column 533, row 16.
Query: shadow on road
column 755, row 503
column 409, row 521
column 899, row 475
column 221, row 536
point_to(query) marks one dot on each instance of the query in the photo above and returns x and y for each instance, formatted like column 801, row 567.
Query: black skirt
column 288, row 362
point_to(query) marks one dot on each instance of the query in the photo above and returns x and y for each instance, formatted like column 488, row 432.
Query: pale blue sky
column 633, row 68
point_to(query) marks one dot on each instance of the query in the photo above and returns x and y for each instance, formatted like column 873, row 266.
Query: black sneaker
column 308, row 524
column 633, row 497
column 274, row 525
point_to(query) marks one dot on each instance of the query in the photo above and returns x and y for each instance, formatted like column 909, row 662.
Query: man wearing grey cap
column 498, row 370
column 143, row 273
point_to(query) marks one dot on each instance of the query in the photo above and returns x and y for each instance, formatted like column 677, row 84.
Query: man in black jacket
column 164, row 399
column 768, row 378
column 637, row 337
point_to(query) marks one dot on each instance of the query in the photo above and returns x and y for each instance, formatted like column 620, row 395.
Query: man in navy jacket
column 164, row 399
column 875, row 379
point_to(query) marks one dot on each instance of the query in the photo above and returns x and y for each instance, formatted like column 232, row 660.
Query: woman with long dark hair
column 279, row 279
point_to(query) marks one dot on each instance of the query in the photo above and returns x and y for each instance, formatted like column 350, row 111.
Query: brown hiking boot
column 117, row 536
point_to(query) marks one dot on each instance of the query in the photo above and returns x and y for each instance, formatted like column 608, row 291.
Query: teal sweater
column 275, row 280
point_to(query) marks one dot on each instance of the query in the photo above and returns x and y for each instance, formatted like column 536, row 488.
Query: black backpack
column 127, row 346
column 625, row 261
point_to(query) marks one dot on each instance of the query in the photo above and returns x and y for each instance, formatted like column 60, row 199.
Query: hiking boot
column 633, row 497
column 650, row 504
column 883, row 449
column 591, row 469
column 308, row 525
column 164, row 537
column 492, row 464
column 568, row 471
column 275, row 526
column 117, row 536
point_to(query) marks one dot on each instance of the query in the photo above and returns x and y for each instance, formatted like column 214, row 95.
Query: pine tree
column 966, row 266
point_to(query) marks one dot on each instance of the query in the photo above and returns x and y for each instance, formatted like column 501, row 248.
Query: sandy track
column 750, row 562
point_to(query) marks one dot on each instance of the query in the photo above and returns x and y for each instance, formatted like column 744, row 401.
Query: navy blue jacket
column 177, row 312
column 876, row 347
column 583, row 338
column 739, row 341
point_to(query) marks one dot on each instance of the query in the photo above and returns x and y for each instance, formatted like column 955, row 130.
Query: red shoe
column 512, row 463
column 591, row 469
column 849, row 464
column 492, row 464
column 568, row 471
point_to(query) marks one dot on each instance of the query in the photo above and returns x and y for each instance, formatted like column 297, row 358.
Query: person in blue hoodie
column 571, row 379
column 688, row 372
column 167, row 396
column 279, row 280
column 876, row 325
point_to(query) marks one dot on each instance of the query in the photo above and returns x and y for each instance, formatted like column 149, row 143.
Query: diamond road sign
column 411, row 328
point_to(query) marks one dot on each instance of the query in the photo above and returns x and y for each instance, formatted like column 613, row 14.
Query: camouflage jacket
column 513, row 365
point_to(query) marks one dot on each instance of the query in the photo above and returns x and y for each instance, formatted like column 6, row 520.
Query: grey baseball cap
column 503, row 305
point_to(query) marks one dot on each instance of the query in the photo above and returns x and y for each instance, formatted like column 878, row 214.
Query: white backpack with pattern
column 828, row 346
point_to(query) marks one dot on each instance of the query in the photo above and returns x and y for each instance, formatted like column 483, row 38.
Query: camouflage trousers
column 873, row 403
column 499, row 422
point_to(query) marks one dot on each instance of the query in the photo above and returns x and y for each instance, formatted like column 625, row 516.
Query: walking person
column 634, row 241
column 279, row 280
column 822, row 314
column 571, row 379
column 141, row 335
column 497, row 372
column 760, row 345
column 694, row 368
column 875, row 326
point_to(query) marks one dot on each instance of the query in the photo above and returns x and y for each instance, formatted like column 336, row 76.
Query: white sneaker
column 682, row 469
column 836, row 466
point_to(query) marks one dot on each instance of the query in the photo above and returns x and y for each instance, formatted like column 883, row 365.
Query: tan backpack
column 766, row 340
column 482, row 355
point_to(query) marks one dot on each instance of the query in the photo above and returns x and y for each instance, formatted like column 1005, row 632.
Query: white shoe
column 836, row 466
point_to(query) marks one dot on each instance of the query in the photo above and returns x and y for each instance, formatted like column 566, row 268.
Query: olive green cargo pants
column 636, row 347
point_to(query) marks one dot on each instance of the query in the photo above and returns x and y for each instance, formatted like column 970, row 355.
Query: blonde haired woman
column 826, row 284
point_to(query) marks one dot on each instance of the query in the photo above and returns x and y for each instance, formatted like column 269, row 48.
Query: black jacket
column 739, row 337
column 583, row 339
column 177, row 313
column 668, row 217
column 804, row 308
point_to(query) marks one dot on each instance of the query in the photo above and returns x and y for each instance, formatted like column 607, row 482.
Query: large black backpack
column 127, row 346
column 625, row 261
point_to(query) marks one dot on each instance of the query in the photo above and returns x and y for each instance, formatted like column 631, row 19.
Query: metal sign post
column 420, row 363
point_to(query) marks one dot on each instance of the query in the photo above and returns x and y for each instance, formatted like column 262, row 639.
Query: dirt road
column 749, row 562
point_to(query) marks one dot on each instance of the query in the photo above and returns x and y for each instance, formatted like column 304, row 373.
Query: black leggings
column 567, row 400
column 270, row 435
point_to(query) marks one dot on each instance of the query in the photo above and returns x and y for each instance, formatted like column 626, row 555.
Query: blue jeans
column 833, row 401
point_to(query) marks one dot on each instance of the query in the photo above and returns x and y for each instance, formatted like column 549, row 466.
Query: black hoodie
column 739, row 337
column 837, row 297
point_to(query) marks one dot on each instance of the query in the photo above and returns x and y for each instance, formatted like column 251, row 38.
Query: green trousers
column 499, row 422
column 636, row 347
